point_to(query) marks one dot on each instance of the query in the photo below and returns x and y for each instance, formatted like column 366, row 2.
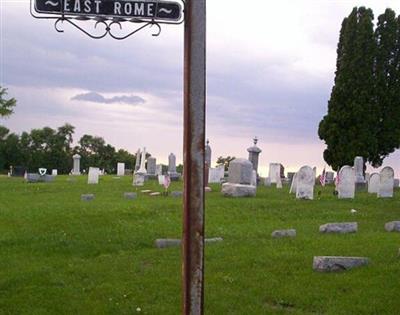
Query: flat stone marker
column 337, row 263
column 130, row 195
column 146, row 191
column 153, row 194
column 342, row 228
column 284, row 233
column 87, row 197
column 393, row 226
column 173, row 242
column 176, row 194
column 386, row 183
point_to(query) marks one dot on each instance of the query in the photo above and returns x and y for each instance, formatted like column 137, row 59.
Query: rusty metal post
column 194, row 156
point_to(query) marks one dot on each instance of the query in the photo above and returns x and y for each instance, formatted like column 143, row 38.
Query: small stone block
column 337, row 263
column 207, row 189
column 284, row 233
column 176, row 194
column 87, row 197
column 146, row 191
column 238, row 190
column 153, row 194
column 130, row 195
column 342, row 228
column 393, row 226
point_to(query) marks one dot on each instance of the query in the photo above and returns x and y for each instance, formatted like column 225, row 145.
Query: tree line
column 53, row 149
column 363, row 116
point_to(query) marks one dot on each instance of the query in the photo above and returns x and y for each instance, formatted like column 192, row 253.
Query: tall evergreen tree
column 346, row 129
column 387, row 89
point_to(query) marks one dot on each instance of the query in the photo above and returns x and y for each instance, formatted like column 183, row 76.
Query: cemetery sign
column 109, row 9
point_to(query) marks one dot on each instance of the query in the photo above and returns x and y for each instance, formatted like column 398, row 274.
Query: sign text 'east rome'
column 158, row 10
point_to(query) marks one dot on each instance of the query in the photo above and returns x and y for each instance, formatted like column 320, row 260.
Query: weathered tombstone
column 290, row 176
column 274, row 172
column 359, row 172
column 77, row 165
column 396, row 183
column 176, row 194
column 138, row 179
column 341, row 228
column 254, row 153
column 93, row 175
column 329, row 177
column 151, row 166
column 161, row 179
column 120, row 169
column 305, row 183
column 54, row 172
column 346, row 185
column 373, row 183
column 173, row 174
column 279, row 183
column 216, row 174
column 337, row 263
column 267, row 182
column 254, row 178
column 386, row 182
column 393, row 226
column 159, row 169
column 142, row 169
column 293, row 186
column 239, row 179
column 87, row 197
column 137, row 162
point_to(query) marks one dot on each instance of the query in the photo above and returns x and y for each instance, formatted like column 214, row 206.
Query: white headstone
column 305, row 183
column 54, row 172
column 346, row 186
column 142, row 168
column 373, row 183
column 274, row 172
column 161, row 179
column 386, row 183
column 159, row 169
column 293, row 186
column 216, row 174
column 151, row 166
column 93, row 175
column 77, row 165
column 138, row 179
column 120, row 169
column 279, row 183
column 254, row 178
column 359, row 169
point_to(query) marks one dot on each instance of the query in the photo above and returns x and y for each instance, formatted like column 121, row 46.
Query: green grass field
column 60, row 255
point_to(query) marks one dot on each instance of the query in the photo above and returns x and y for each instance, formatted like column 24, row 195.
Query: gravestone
column 161, row 179
column 284, row 233
column 173, row 174
column 329, row 177
column 373, row 183
column 293, row 185
column 216, row 174
column 120, row 169
column 142, row 169
column 337, row 263
column 137, row 162
column 239, row 179
column 130, row 195
column 359, row 172
column 346, row 186
column 254, row 178
column 274, row 172
column 240, row 172
column 254, row 153
column 93, row 175
column 341, row 228
column 290, row 176
column 207, row 164
column 54, row 172
column 279, row 183
column 87, row 197
column 159, row 169
column 386, row 183
column 305, row 183
column 393, row 226
column 76, row 165
column 396, row 183
column 151, row 166
column 267, row 182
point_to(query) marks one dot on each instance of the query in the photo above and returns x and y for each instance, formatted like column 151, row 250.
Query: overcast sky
column 270, row 70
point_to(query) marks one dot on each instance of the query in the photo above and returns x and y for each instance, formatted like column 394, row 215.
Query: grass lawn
column 60, row 255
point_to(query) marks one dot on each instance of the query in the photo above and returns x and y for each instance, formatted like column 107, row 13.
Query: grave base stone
column 342, row 228
column 130, row 195
column 238, row 190
column 87, row 197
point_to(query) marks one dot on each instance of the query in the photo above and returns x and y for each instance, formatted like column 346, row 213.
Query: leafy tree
column 225, row 161
column 6, row 105
column 387, row 85
column 348, row 129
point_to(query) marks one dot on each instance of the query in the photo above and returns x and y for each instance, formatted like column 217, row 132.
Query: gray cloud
column 98, row 98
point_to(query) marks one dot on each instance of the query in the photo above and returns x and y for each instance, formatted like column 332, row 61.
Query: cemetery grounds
column 61, row 255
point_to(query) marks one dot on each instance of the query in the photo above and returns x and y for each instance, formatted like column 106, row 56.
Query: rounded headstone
column 240, row 172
